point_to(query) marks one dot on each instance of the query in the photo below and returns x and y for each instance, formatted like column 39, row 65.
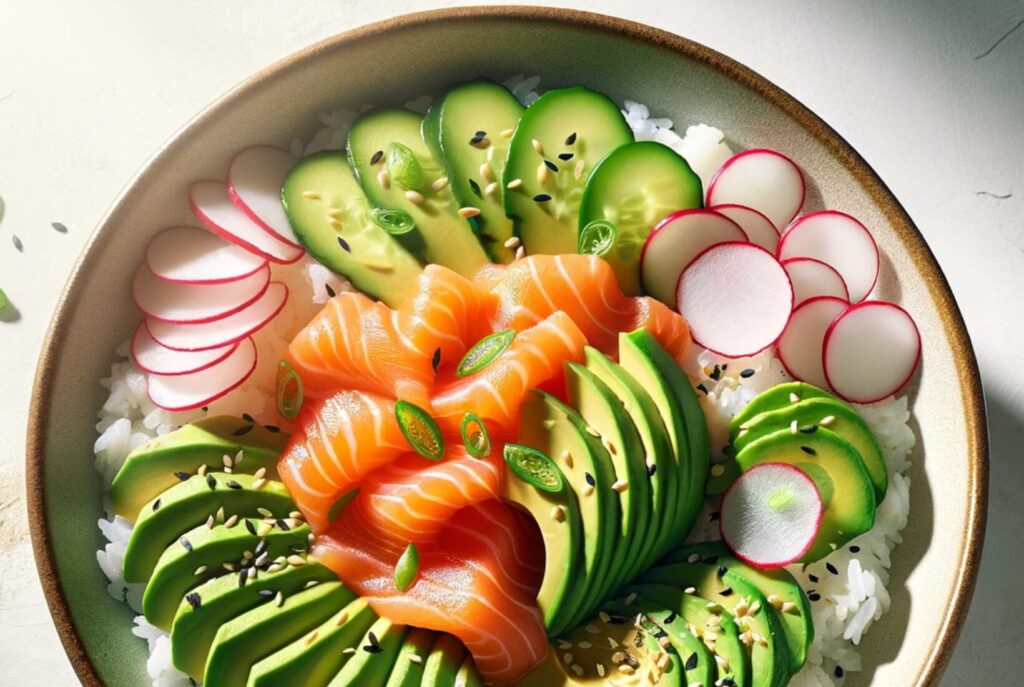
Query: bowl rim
column 918, row 251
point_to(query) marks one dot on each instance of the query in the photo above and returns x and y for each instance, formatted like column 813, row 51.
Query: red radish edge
column 770, row 343
column 807, row 303
column 240, row 202
column 737, row 206
column 768, row 565
column 211, row 318
column 224, row 280
column 826, row 266
column 913, row 368
column 709, row 194
column 220, row 394
column 143, row 329
column 237, row 240
column 804, row 218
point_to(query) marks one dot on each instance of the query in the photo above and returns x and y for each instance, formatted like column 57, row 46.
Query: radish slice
column 170, row 302
column 839, row 240
column 195, row 256
column 771, row 515
column 675, row 242
column 762, row 179
column 737, row 299
column 871, row 351
column 227, row 330
column 255, row 178
column 812, row 278
column 212, row 205
column 800, row 346
column 758, row 228
column 188, row 391
column 152, row 356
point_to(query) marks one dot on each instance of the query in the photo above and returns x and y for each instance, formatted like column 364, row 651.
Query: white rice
column 850, row 601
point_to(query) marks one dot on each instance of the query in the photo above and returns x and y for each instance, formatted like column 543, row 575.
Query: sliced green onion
column 534, row 467
column 4, row 300
column 475, row 436
column 420, row 430
column 407, row 568
column 597, row 237
column 403, row 167
column 289, row 390
column 394, row 222
column 340, row 504
column 484, row 352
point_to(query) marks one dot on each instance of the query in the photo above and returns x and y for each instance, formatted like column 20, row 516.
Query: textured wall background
column 931, row 93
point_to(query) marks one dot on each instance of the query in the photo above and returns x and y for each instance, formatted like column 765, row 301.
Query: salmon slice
column 412, row 498
column 585, row 288
column 353, row 343
column 495, row 392
column 337, row 441
column 464, row 586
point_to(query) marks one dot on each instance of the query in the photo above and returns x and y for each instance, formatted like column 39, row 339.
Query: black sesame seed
column 839, row 671
column 854, row 549
column 59, row 226
column 809, row 429
column 651, row 469
column 721, row 571
column 716, row 373
column 590, row 479
column 701, row 387
column 17, row 243
column 542, row 198
column 247, row 417
column 670, row 618
column 710, row 560
column 182, row 475
column 692, row 661
column 570, row 139
column 329, row 290
column 475, row 187
column 282, row 525
column 273, row 429
column 435, row 362
column 831, row 568
column 375, row 158
column 728, row 681
column 242, row 577
column 251, row 527
column 374, row 646
column 344, row 245
column 565, row 157
column 205, row 409
column 726, row 592
column 260, row 547
column 551, row 165
column 814, row 596
column 241, row 431
column 813, row 578
column 186, row 543
column 616, row 619
column 266, row 593
column 714, row 516
column 477, row 137
column 194, row 600
column 211, row 482
column 156, row 505
column 232, row 484
column 808, row 450
column 749, row 372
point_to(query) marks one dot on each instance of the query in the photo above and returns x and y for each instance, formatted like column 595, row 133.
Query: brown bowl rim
column 975, row 415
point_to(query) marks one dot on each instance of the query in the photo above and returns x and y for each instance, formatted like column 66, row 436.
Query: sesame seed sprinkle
column 414, row 197
column 514, row 184
column 620, row 486
column 311, row 195
column 827, row 420
column 439, row 183
column 512, row 242
column 793, row 398
column 376, row 157
column 468, row 212
column 537, row 146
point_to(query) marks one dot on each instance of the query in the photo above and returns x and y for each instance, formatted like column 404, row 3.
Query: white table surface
column 88, row 90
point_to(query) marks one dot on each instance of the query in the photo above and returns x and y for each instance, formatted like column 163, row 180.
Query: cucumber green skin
column 684, row 643
column 174, row 575
column 603, row 411
column 798, row 627
column 645, row 170
column 307, row 663
column 407, row 673
column 847, row 424
column 441, row 236
column 252, row 636
column 377, row 264
column 450, row 124
column 187, row 505
column 656, row 448
column 364, row 669
column 443, row 663
column 769, row 665
column 551, row 227
column 775, row 398
column 851, row 510
column 149, row 469
column 193, row 630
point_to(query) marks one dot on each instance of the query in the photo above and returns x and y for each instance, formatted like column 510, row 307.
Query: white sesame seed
column 690, row 590
column 585, row 645
column 563, row 645
column 537, row 146
column 630, row 598
column 618, row 657
column 717, row 470
column 793, row 398
column 507, row 133
column 264, row 530
column 567, row 658
column 265, row 512
column 626, row 669
column 349, row 650
column 200, row 570
column 828, row 420
column 592, row 629
column 279, row 599
column 491, row 188
column 578, row 669
column 512, row 242
column 580, row 166
column 520, row 253
column 238, row 457
column 600, row 669
column 789, row 607
column 604, row 617
column 439, row 183
column 202, row 470
column 226, row 459
column 620, row 486
column 558, row 513
column 468, row 212
column 514, row 184
column 416, row 658
column 384, row 179
column 231, row 522
column 260, row 474
column 588, row 489
column 335, row 224
column 259, row 484
column 296, row 561
column 311, row 195
column 793, row 427
column 543, row 174
column 414, row 197
column 487, row 172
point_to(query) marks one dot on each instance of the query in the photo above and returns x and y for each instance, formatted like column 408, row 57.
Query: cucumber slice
column 635, row 187
column 574, row 129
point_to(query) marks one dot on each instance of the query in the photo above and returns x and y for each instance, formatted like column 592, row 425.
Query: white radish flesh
column 758, row 228
column 152, row 356
column 802, row 342
column 675, row 242
column 871, row 351
column 838, row 240
column 171, row 302
column 212, row 205
column 188, row 391
column 771, row 515
column 255, row 178
column 762, row 179
column 227, row 330
column 812, row 278
column 737, row 299
column 195, row 256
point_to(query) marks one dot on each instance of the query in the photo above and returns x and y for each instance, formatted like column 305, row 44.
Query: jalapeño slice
column 289, row 390
column 534, row 467
column 484, row 352
column 394, row 222
column 597, row 237
column 475, row 436
column 420, row 430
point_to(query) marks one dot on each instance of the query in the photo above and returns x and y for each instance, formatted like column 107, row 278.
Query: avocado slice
column 373, row 657
column 244, row 641
column 189, row 504
column 331, row 217
column 777, row 397
column 603, row 411
column 838, row 471
column 717, row 630
column 162, row 462
column 408, row 670
column 204, row 553
column 475, row 164
column 468, row 675
column 699, row 665
column 636, row 186
column 830, row 413
column 660, row 461
column 444, row 662
column 778, row 586
column 761, row 630
column 313, row 659
column 574, row 129
column 554, row 428
column 648, row 363
column 441, row 236
column 221, row 599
